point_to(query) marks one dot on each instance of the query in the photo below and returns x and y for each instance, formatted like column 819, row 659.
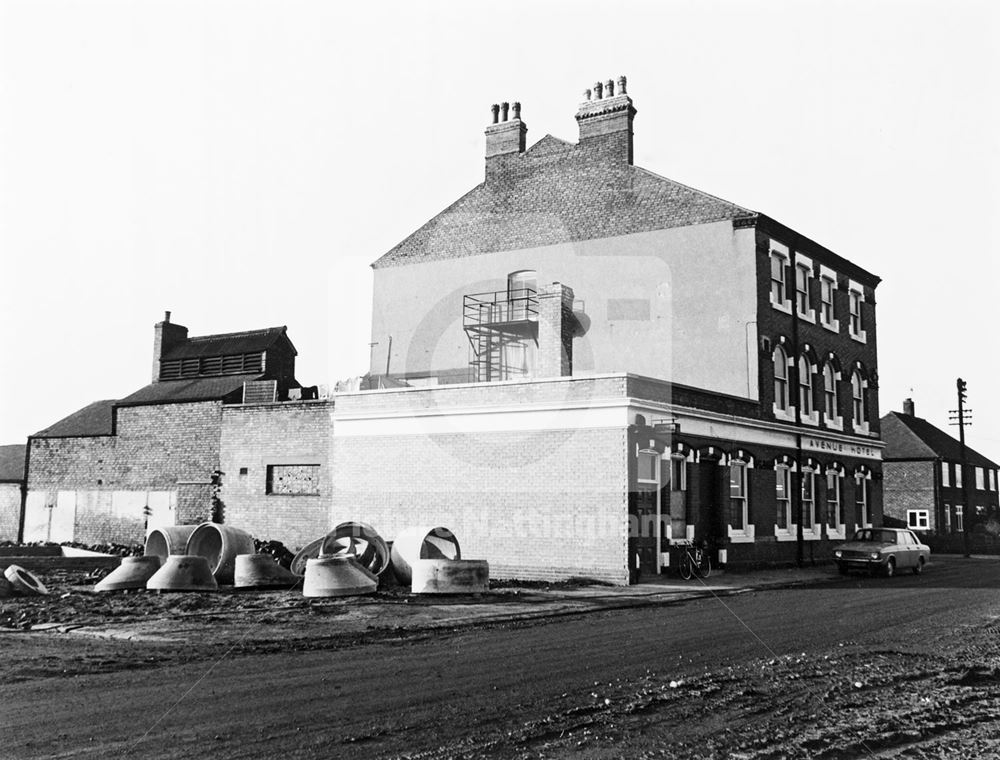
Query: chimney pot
column 496, row 112
column 609, row 88
column 504, row 108
column 598, row 89
column 586, row 94
column 166, row 316
column 517, row 110
column 908, row 407
column 621, row 86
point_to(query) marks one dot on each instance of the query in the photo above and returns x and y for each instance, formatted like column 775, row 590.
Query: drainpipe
column 794, row 374
column 24, row 492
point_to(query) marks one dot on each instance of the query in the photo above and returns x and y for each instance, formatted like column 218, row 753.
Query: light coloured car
column 887, row 550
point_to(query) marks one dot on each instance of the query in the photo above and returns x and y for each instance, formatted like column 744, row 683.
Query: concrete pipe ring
column 170, row 539
column 358, row 540
column 220, row 545
column 421, row 542
column 24, row 582
column 307, row 552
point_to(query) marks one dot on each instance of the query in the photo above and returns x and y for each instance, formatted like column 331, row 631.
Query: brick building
column 178, row 449
column 925, row 483
column 604, row 363
column 11, row 490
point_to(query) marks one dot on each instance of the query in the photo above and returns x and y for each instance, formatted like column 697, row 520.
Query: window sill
column 839, row 533
column 744, row 536
column 788, row 415
column 785, row 306
column 833, row 326
column 808, row 534
column 784, row 535
column 811, row 419
column 808, row 316
column 861, row 429
column 861, row 337
column 837, row 423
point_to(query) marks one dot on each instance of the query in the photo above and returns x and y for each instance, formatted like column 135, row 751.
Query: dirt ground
column 933, row 693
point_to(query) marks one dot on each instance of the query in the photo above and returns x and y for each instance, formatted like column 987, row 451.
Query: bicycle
column 695, row 561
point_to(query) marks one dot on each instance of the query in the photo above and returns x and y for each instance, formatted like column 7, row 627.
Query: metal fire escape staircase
column 494, row 321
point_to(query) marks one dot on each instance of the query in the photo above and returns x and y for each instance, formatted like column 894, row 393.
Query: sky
column 241, row 164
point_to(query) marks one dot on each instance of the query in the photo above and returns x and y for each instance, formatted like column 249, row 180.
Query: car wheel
column 919, row 567
column 890, row 567
column 842, row 568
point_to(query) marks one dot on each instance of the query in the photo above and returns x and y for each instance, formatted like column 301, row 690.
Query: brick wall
column 908, row 485
column 168, row 447
column 257, row 436
column 10, row 510
column 536, row 503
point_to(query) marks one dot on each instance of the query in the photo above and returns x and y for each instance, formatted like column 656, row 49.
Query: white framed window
column 831, row 399
column 861, row 501
column 858, row 386
column 678, row 472
column 918, row 519
column 993, row 480
column 780, row 360
column 947, row 517
column 809, row 414
column 834, row 525
column 980, row 479
column 648, row 464
column 946, row 474
column 856, row 325
column 779, row 277
column 740, row 529
column 783, row 500
column 958, row 475
column 827, row 291
column 959, row 518
column 808, row 499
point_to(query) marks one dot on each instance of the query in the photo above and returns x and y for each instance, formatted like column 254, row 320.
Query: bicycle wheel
column 706, row 565
column 686, row 566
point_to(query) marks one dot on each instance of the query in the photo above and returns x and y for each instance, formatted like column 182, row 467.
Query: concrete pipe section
column 450, row 576
column 309, row 551
column 132, row 573
column 23, row 582
column 340, row 575
column 422, row 542
column 220, row 545
column 172, row 539
column 358, row 540
column 183, row 572
column 262, row 571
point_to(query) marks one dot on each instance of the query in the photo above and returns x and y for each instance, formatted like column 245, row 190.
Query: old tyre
column 890, row 567
column 919, row 567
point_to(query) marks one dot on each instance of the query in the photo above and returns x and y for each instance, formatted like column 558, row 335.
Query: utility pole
column 963, row 417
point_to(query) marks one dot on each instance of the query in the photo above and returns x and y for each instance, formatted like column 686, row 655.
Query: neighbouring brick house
column 172, row 452
column 604, row 363
column 925, row 483
column 11, row 490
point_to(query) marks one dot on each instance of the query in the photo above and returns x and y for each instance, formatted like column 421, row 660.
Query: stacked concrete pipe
column 170, row 539
column 220, row 545
column 422, row 542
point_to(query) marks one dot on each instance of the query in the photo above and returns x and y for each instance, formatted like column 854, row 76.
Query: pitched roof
column 93, row 419
column 196, row 389
column 12, row 463
column 228, row 344
column 557, row 192
column 909, row 437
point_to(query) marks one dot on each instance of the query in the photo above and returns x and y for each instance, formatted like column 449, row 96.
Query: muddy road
column 864, row 667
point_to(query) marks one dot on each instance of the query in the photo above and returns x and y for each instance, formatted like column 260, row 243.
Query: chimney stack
column 505, row 138
column 908, row 407
column 605, row 120
column 166, row 336
column 556, row 326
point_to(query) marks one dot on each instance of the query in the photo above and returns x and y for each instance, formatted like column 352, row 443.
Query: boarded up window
column 628, row 309
column 293, row 479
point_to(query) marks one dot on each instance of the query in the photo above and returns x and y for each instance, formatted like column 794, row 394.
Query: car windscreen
column 875, row 536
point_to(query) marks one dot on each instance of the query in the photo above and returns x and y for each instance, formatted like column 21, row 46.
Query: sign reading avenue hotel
column 838, row 447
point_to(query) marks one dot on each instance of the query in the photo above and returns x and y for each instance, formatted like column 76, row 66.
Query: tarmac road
column 474, row 691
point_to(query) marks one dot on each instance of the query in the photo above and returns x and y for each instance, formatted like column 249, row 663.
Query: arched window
column 805, row 387
column 830, row 405
column 780, row 378
column 857, row 399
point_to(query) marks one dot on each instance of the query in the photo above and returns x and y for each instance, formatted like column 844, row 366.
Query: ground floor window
column 833, row 499
column 959, row 518
column 947, row 518
column 782, row 493
column 738, row 517
column 861, row 500
column 918, row 519
column 808, row 499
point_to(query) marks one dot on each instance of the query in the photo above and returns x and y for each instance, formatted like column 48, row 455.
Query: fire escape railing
column 493, row 321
